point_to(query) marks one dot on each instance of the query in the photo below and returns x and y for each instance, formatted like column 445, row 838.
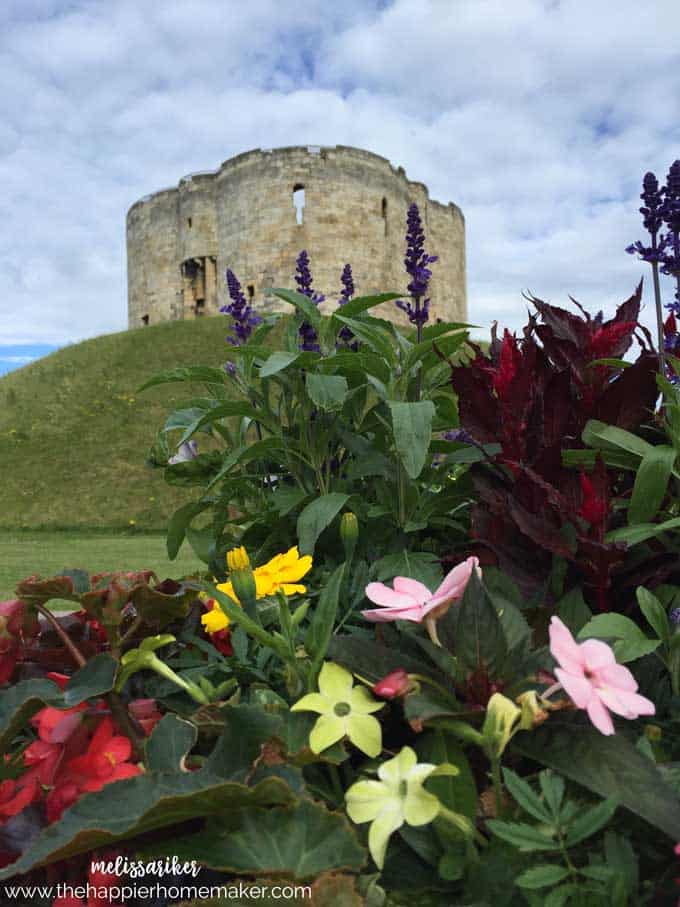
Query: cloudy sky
column 538, row 117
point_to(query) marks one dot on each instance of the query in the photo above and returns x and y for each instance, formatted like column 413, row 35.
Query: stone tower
column 260, row 209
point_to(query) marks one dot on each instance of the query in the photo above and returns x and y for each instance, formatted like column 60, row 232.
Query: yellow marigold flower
column 282, row 572
column 237, row 559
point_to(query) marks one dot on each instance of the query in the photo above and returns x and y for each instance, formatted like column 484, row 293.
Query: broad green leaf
column 573, row 610
column 412, row 428
column 630, row 642
column 372, row 660
column 654, row 612
column 328, row 392
column 161, row 608
column 541, row 876
column 599, row 873
column 277, row 362
column 609, row 766
column 456, row 792
column 633, row 535
column 526, row 838
column 169, row 744
column 95, row 678
column 478, row 637
column 202, row 542
column 323, row 619
column 316, row 517
column 590, row 822
column 245, row 453
column 135, row 806
column 600, row 435
column 299, row 842
column 184, row 418
column 558, row 897
column 651, row 484
column 552, row 786
column 222, row 411
column 373, row 336
column 177, row 527
column 302, row 303
column 198, row 373
column 20, row 702
column 361, row 304
column 421, row 565
column 246, row 729
column 522, row 792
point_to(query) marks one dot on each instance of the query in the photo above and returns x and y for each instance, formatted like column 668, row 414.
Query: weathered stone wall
column 181, row 241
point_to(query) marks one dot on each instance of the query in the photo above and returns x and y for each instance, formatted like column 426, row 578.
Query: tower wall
column 181, row 241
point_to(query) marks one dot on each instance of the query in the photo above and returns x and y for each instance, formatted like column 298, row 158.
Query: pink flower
column 411, row 600
column 393, row 685
column 589, row 673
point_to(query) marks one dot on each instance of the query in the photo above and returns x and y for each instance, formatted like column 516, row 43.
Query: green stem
column 337, row 785
column 463, row 824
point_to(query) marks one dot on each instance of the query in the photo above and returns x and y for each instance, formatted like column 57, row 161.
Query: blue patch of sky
column 15, row 356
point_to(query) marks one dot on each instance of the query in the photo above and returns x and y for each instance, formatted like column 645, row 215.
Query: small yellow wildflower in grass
column 344, row 711
column 282, row 572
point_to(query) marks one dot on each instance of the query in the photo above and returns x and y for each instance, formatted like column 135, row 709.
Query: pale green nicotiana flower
column 344, row 711
column 398, row 797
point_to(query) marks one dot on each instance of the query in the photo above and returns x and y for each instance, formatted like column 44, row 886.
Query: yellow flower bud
column 501, row 723
column 237, row 559
column 653, row 733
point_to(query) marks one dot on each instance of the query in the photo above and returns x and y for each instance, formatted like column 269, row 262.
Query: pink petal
column 411, row 587
column 564, row 648
column 597, row 654
column 454, row 583
column 618, row 676
column 600, row 717
column 576, row 685
column 382, row 615
column 388, row 598
column 624, row 703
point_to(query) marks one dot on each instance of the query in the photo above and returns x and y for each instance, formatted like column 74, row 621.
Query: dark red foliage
column 533, row 396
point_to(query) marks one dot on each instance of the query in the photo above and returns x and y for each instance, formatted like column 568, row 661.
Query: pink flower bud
column 394, row 685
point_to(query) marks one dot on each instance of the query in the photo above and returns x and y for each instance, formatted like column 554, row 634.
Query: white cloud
column 538, row 118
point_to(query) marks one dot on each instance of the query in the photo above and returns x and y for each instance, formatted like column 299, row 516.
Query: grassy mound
column 74, row 434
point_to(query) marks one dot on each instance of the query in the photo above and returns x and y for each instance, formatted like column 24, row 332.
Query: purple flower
column 244, row 319
column 188, row 450
column 671, row 216
column 651, row 211
column 303, row 279
column 416, row 264
column 346, row 337
column 674, row 617
column 460, row 435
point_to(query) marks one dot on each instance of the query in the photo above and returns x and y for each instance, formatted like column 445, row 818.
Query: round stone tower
column 260, row 209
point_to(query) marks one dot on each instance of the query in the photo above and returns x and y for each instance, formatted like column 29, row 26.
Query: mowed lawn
column 48, row 553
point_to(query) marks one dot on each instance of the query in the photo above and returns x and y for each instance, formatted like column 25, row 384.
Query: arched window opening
column 145, row 319
column 298, row 201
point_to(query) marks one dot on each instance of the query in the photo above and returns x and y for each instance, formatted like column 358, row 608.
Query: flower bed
column 434, row 651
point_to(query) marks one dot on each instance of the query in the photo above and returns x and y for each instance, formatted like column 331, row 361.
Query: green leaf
column 541, row 876
column 590, row 822
column 412, row 428
column 199, row 373
column 553, row 790
column 609, row 437
column 654, row 612
column 222, row 411
column 246, row 729
column 600, row 873
column 558, row 897
column 633, row 535
column 161, row 608
column 277, row 362
column 20, row 702
column 525, row 838
column 316, row 517
column 457, row 792
column 135, row 806
column 363, row 303
column 651, row 484
column 202, row 542
column 170, row 743
column 372, row 334
column 630, row 642
column 299, row 842
column 621, row 857
column 478, row 639
column 323, row 619
column 178, row 525
column 609, row 766
column 421, row 565
column 525, row 796
column 245, row 453
column 328, row 392
column 573, row 610
column 95, row 678
column 302, row 303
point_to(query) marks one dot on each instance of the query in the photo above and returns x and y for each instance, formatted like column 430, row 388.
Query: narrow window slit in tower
column 145, row 319
column 384, row 213
column 251, row 291
column 298, row 201
column 189, row 222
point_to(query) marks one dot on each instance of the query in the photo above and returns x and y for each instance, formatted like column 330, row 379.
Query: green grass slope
column 74, row 434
